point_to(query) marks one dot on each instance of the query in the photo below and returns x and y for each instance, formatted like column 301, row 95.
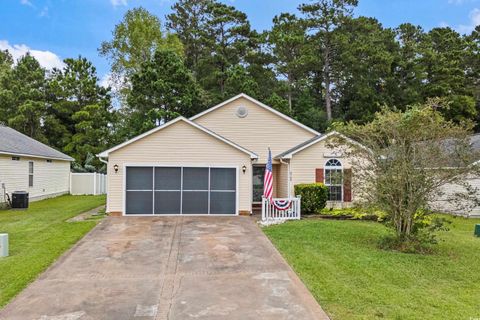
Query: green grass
column 38, row 236
column 351, row 278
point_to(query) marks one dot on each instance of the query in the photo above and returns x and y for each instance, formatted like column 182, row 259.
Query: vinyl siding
column 282, row 181
column 304, row 163
column 259, row 130
column 49, row 179
column 178, row 145
column 444, row 203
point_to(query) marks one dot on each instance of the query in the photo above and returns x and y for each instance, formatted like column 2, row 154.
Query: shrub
column 314, row 196
column 355, row 213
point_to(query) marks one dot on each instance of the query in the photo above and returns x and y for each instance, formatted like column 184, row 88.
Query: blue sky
column 54, row 30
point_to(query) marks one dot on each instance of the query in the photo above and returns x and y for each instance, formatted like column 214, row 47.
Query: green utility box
column 477, row 230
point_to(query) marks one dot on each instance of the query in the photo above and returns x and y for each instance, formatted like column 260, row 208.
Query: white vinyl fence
column 88, row 183
column 281, row 209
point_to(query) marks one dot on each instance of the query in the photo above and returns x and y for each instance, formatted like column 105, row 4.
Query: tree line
column 320, row 65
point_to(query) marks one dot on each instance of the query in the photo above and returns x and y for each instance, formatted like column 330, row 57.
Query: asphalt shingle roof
column 298, row 146
column 16, row 143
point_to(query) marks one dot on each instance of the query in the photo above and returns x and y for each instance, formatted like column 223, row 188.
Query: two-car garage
column 165, row 190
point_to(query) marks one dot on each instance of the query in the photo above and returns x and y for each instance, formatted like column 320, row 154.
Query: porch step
column 257, row 208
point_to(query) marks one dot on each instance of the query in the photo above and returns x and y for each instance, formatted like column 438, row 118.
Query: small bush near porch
column 38, row 236
column 351, row 278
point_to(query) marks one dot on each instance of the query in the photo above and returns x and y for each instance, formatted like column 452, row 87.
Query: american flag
column 268, row 180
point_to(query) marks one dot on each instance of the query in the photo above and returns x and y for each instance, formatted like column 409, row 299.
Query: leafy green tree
column 188, row 20
column 227, row 38
column 26, row 97
column 443, row 59
column 79, row 113
column 288, row 40
column 472, row 63
column 163, row 89
column 322, row 18
column 135, row 40
column 409, row 71
column 405, row 159
column 363, row 70
column 6, row 95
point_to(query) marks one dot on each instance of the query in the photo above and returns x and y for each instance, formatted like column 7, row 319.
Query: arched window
column 334, row 179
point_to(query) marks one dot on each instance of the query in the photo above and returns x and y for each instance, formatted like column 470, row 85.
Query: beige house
column 28, row 165
column 214, row 163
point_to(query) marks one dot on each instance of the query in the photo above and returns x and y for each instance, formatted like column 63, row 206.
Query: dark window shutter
column 319, row 175
column 347, row 185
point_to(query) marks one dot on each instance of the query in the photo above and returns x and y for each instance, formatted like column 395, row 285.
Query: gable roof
column 262, row 105
column 15, row 143
column 304, row 145
column 166, row 125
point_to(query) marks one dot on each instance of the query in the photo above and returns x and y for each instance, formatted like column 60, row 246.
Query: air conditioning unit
column 19, row 200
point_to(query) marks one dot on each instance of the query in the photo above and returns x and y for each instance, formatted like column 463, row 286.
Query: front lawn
column 38, row 236
column 352, row 279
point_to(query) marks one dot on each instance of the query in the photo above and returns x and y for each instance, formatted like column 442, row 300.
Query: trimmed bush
column 314, row 196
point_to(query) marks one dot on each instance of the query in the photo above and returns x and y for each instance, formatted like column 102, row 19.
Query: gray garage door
column 180, row 190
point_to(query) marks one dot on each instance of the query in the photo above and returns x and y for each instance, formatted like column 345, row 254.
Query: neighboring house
column 445, row 204
column 29, row 165
column 214, row 163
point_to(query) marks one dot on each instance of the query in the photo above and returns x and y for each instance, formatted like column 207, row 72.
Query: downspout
column 107, row 208
column 104, row 161
column 289, row 177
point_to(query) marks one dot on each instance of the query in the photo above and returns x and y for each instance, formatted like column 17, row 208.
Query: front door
column 258, row 176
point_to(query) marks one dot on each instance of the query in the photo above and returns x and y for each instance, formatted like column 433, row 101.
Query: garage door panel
column 222, row 202
column 195, row 202
column 195, row 179
column 223, row 179
column 139, row 202
column 167, row 178
column 180, row 190
column 140, row 178
column 167, row 202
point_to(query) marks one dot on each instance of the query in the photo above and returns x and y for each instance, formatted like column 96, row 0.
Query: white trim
column 166, row 125
column 333, row 185
column 243, row 95
column 34, row 156
column 137, row 164
column 321, row 138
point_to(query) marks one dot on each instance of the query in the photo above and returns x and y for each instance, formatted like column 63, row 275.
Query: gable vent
column 242, row 112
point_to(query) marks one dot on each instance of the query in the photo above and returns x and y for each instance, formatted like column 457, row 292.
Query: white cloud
column 44, row 12
column 26, row 3
column 117, row 3
column 47, row 59
column 459, row 2
column 474, row 17
column 106, row 81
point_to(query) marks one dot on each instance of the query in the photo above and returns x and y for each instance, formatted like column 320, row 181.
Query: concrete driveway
column 168, row 268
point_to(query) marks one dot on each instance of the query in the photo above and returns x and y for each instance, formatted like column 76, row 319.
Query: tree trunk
column 290, row 95
column 326, row 78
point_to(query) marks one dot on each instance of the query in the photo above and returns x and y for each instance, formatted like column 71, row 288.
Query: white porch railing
column 270, row 212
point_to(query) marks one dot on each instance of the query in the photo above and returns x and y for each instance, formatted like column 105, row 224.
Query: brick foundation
column 115, row 214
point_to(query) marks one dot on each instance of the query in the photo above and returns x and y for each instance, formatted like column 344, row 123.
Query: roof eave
column 35, row 156
column 105, row 153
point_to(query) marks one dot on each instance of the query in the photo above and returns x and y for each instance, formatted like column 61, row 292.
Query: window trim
column 333, row 167
column 15, row 158
column 31, row 172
